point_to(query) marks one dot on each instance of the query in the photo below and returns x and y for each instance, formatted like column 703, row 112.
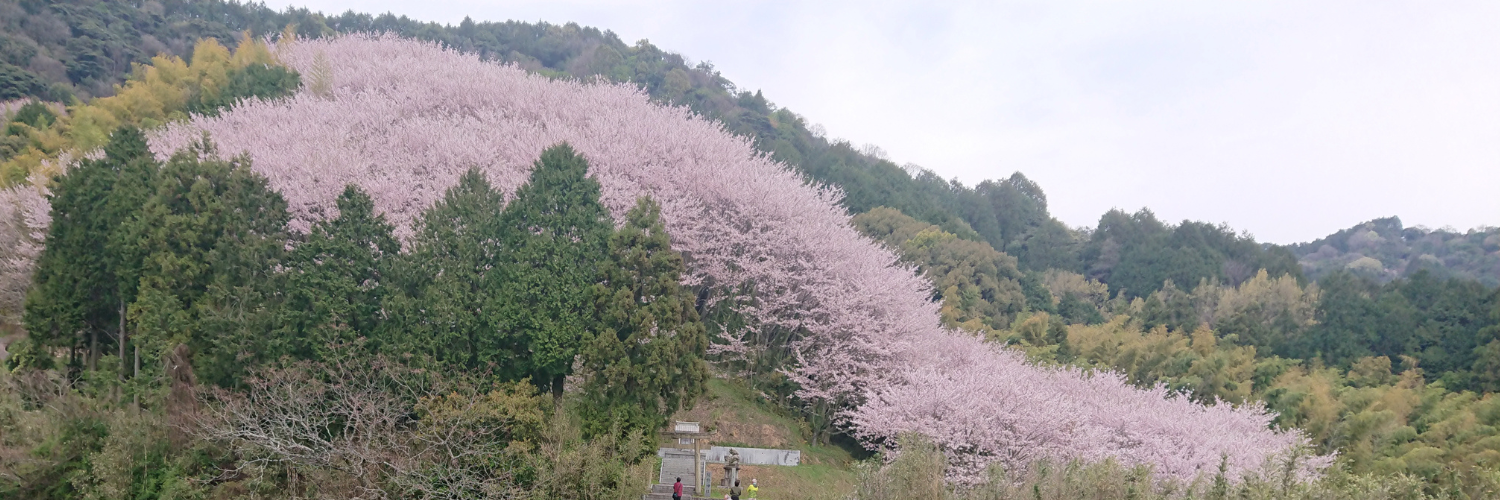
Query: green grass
column 797, row 483
column 741, row 417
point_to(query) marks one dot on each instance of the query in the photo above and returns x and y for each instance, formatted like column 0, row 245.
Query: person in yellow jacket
column 752, row 490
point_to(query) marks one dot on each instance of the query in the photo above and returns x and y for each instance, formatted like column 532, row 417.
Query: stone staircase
column 664, row 492
column 674, row 464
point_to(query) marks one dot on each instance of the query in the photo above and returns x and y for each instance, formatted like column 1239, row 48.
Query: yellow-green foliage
column 1379, row 421
column 91, row 440
column 1060, row 283
column 1262, row 311
column 1196, row 363
column 978, row 285
column 153, row 95
column 513, row 409
column 1265, row 298
column 85, row 441
column 1386, row 423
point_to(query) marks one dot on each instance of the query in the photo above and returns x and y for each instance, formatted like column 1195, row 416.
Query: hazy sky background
column 1286, row 119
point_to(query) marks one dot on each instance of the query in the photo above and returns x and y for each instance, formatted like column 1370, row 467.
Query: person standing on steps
column 735, row 491
column 677, row 490
column 752, row 490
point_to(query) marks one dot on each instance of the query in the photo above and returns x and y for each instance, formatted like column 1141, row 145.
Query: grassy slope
column 739, row 416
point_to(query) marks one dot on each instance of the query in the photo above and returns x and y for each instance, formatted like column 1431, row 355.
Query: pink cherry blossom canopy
column 404, row 119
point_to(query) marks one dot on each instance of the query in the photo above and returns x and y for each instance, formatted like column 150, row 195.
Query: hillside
column 1010, row 214
column 875, row 328
column 363, row 223
column 736, row 415
column 279, row 228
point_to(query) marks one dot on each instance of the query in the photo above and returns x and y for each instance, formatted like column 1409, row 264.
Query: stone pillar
column 731, row 468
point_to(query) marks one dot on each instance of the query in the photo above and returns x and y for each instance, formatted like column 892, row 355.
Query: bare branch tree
column 367, row 423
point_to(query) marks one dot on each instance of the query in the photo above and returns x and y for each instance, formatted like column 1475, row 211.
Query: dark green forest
column 190, row 261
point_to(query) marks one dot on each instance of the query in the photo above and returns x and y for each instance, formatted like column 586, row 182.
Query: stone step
column 666, row 489
column 664, row 492
column 673, row 467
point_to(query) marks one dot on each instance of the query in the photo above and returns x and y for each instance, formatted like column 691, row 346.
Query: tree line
column 155, row 271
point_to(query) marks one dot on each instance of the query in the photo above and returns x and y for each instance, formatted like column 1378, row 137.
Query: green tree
column 1445, row 318
column 1136, row 253
column 84, row 275
column 255, row 80
column 645, row 361
column 1487, row 354
column 556, row 236
column 1170, row 307
column 1076, row 310
column 1018, row 204
column 1348, row 319
column 438, row 307
column 213, row 234
column 1049, row 245
column 336, row 280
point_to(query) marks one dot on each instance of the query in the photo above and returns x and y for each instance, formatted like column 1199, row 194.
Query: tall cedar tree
column 557, row 233
column 646, row 360
column 336, row 280
column 213, row 234
column 438, row 306
column 86, row 273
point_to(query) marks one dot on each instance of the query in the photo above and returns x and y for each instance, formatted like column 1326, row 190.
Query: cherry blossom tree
column 24, row 218
column 404, row 120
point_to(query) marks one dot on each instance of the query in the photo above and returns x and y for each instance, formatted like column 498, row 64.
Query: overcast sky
column 1289, row 120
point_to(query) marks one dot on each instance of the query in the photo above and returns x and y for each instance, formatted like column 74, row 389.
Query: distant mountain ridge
column 1384, row 249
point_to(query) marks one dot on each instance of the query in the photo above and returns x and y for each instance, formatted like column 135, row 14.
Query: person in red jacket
column 677, row 490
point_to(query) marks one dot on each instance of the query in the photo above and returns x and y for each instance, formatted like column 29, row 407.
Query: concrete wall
column 756, row 456
column 748, row 456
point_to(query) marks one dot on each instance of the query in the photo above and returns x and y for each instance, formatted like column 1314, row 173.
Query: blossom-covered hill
column 403, row 119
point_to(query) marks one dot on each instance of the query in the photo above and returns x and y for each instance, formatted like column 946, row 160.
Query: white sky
column 1286, row 119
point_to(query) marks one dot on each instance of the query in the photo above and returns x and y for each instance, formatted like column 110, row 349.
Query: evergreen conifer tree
column 646, row 360
column 437, row 307
column 335, row 280
column 86, row 273
column 556, row 235
column 213, row 235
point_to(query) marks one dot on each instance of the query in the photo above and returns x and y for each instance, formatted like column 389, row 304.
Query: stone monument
column 731, row 468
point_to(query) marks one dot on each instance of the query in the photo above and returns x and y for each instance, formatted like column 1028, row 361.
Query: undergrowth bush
column 917, row 471
column 80, row 439
column 348, row 428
